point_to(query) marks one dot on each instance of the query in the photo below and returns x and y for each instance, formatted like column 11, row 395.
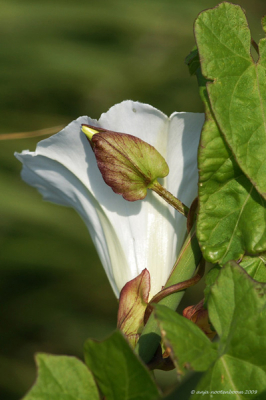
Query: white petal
column 60, row 186
column 128, row 236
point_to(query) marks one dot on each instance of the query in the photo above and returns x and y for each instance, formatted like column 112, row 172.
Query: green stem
column 169, row 198
column 183, row 269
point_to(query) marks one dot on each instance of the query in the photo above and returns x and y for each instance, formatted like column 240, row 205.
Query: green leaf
column 210, row 279
column 235, row 297
column 255, row 267
column 237, row 310
column 188, row 345
column 62, row 378
column 231, row 212
column 238, row 91
column 118, row 371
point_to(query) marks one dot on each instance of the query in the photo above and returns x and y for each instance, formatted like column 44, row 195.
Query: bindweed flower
column 129, row 237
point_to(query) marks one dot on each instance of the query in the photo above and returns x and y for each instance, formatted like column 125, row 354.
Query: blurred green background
column 59, row 60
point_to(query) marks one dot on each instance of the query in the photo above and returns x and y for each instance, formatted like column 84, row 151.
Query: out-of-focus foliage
column 58, row 60
column 54, row 380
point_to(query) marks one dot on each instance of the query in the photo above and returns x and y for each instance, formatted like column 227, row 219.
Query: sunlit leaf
column 231, row 212
column 238, row 91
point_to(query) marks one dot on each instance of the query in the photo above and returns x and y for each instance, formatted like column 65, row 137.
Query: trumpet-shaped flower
column 129, row 236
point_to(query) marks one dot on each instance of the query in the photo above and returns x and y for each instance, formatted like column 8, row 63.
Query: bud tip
column 89, row 132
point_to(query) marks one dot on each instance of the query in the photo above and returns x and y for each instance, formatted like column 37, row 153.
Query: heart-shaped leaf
column 231, row 212
column 238, row 91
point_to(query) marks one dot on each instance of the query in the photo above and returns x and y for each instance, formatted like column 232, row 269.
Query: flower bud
column 199, row 315
column 128, row 164
column 132, row 305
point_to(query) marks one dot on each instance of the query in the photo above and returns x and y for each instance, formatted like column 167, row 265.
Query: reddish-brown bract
column 128, row 164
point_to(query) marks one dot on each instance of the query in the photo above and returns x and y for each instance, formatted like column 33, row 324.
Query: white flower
column 129, row 236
